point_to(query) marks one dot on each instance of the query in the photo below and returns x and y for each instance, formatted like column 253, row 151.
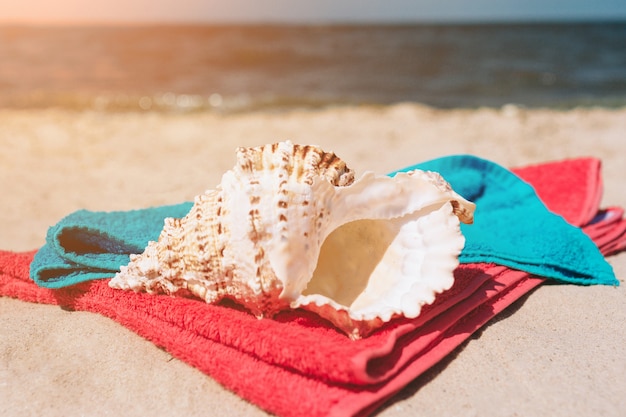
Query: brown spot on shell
column 462, row 212
column 259, row 255
column 303, row 163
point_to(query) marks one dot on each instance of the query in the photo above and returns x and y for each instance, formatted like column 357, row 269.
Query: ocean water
column 232, row 68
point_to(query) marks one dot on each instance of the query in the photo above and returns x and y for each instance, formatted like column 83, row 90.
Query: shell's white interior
column 378, row 268
column 349, row 258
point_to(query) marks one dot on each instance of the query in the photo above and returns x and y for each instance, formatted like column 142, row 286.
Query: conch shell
column 289, row 227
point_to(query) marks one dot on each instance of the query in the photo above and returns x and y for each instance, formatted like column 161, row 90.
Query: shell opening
column 353, row 250
column 366, row 267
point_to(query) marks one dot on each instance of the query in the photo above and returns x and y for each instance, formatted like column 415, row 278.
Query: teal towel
column 88, row 245
column 512, row 227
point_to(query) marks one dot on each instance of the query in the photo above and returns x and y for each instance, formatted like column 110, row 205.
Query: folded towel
column 509, row 226
column 511, row 222
column 88, row 245
column 584, row 173
column 253, row 357
column 327, row 373
column 608, row 230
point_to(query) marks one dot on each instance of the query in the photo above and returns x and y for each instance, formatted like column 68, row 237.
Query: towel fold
column 584, row 173
column 254, row 357
column 511, row 223
column 87, row 245
column 509, row 227
column 608, row 230
column 327, row 373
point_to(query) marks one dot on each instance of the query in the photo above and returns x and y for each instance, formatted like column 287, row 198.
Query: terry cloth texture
column 328, row 374
column 511, row 222
column 87, row 245
column 509, row 228
column 297, row 349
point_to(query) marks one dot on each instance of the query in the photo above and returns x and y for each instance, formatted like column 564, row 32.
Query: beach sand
column 558, row 351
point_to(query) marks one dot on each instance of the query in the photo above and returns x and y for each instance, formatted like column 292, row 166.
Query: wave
column 239, row 68
column 187, row 103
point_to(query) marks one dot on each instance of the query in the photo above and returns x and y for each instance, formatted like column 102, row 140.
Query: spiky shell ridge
column 236, row 240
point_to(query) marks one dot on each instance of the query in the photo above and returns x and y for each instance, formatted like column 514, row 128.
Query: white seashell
column 288, row 227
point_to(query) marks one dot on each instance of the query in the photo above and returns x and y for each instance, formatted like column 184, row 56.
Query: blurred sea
column 232, row 68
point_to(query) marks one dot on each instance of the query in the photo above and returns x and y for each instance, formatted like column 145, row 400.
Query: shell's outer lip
column 402, row 195
column 407, row 295
column 405, row 193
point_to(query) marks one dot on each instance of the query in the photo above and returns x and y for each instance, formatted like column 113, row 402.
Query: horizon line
column 317, row 22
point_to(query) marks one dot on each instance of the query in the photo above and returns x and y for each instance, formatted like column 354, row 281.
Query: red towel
column 327, row 373
column 571, row 188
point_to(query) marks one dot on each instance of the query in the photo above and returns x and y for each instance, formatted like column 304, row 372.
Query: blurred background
column 193, row 55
